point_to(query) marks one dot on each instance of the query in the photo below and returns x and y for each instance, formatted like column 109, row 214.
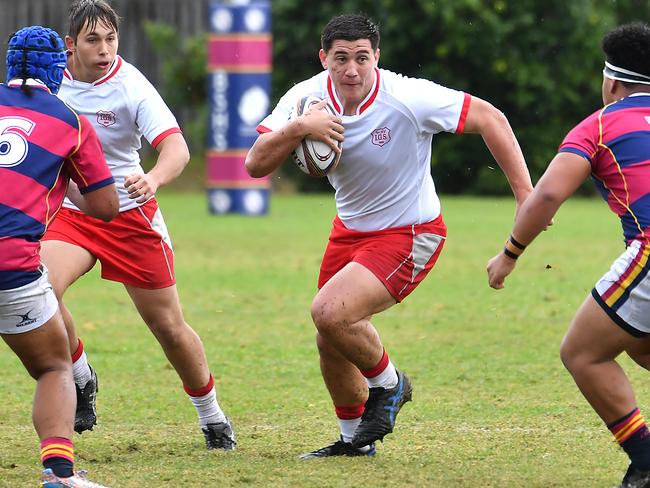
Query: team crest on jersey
column 105, row 118
column 380, row 136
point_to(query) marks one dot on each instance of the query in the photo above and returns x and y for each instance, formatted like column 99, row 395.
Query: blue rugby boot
column 382, row 407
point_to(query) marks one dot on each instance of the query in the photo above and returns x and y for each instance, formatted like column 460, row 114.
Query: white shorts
column 624, row 291
column 27, row 307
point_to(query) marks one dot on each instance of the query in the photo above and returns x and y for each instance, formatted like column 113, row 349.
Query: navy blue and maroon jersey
column 43, row 144
column 616, row 142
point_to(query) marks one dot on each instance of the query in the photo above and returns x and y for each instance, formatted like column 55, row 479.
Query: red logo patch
column 380, row 136
column 105, row 118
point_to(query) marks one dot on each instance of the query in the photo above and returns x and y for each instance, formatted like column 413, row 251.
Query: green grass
column 493, row 406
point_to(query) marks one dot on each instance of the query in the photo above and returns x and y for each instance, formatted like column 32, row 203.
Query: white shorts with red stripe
column 624, row 291
column 134, row 248
column 27, row 307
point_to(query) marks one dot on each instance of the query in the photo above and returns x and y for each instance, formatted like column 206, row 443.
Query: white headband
column 621, row 74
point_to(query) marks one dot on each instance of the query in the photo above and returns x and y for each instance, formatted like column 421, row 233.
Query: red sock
column 351, row 412
column 200, row 391
column 349, row 420
column 379, row 367
column 78, row 352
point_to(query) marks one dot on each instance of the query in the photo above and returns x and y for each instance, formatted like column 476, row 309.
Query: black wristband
column 517, row 243
column 510, row 254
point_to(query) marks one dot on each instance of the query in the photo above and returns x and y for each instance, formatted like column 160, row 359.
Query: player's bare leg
column 66, row 264
column 589, row 352
column 350, row 348
column 44, row 352
column 341, row 309
column 349, row 392
column 345, row 383
column 639, row 351
column 161, row 311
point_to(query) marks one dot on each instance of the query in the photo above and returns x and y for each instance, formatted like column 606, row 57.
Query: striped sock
column 349, row 420
column 57, row 453
column 383, row 375
column 206, row 404
column 633, row 436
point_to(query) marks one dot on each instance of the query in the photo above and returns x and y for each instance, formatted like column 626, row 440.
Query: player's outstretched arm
column 483, row 118
column 271, row 149
column 173, row 156
column 564, row 175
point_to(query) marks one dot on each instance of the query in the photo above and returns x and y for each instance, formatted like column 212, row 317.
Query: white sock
column 386, row 379
column 208, row 408
column 348, row 426
column 81, row 370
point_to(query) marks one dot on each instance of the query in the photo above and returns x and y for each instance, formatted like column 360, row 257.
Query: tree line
column 538, row 62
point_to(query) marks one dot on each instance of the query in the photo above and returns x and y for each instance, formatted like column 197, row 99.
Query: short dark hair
column 628, row 47
column 350, row 28
column 91, row 12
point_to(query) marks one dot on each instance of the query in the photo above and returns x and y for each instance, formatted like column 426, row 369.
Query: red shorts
column 400, row 257
column 134, row 248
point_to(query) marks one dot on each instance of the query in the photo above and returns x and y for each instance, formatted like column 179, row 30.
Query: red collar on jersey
column 363, row 106
column 112, row 71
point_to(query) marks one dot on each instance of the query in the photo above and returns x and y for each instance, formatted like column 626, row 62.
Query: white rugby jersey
column 122, row 106
column 384, row 178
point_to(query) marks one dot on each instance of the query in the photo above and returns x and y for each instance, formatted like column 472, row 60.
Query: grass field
column 493, row 406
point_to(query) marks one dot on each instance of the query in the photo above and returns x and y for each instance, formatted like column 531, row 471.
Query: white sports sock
column 348, row 426
column 208, row 408
column 81, row 371
column 386, row 379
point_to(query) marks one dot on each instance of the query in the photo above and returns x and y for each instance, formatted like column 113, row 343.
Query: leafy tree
column 539, row 62
column 183, row 70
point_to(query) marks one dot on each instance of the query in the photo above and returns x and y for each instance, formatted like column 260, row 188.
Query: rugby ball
column 314, row 157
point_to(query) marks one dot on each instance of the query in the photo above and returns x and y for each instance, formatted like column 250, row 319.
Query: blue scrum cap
column 37, row 52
